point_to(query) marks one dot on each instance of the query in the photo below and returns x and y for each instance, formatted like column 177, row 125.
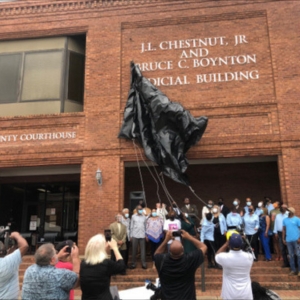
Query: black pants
column 253, row 240
column 211, row 251
column 154, row 246
column 220, row 240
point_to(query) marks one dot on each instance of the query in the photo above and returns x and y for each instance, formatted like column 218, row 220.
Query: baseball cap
column 235, row 241
column 292, row 209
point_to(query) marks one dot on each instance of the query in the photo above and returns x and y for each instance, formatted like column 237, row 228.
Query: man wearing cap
column 291, row 238
column 176, row 270
column 236, row 269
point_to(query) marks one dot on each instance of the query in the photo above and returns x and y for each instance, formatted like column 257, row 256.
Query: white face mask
column 235, row 203
column 248, row 203
column 259, row 204
column 215, row 210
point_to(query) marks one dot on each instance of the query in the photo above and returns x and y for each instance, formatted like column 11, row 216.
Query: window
column 42, row 76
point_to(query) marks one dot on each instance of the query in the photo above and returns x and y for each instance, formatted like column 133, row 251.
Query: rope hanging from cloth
column 159, row 178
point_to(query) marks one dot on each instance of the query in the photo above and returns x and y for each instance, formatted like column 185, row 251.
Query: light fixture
column 99, row 177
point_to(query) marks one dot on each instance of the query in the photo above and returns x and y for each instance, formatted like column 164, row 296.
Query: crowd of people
column 178, row 240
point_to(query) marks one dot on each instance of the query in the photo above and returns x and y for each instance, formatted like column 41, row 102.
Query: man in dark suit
column 223, row 208
column 190, row 209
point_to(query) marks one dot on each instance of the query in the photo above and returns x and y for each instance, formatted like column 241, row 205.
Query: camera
column 176, row 233
column 107, row 234
column 7, row 241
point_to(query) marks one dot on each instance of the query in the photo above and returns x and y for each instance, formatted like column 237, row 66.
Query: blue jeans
column 265, row 244
column 283, row 249
column 294, row 249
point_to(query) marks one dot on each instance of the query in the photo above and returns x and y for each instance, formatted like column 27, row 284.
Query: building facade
column 65, row 75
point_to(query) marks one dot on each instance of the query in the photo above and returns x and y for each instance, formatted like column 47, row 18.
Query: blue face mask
column 140, row 211
column 154, row 214
column 126, row 215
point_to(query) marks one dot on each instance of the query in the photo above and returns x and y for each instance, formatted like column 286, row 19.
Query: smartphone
column 107, row 234
column 176, row 233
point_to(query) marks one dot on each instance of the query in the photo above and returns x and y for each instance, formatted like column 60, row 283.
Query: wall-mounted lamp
column 99, row 177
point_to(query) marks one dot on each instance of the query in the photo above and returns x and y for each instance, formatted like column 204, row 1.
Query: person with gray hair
column 43, row 281
column 126, row 221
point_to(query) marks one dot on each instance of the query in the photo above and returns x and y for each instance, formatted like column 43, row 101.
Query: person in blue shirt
column 259, row 208
column 220, row 227
column 234, row 219
column 248, row 204
column 291, row 238
column 251, row 223
column 207, row 237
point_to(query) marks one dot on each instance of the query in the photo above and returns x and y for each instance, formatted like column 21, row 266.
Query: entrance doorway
column 40, row 204
column 211, row 179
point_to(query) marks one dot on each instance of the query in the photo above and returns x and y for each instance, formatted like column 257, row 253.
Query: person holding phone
column 65, row 262
column 176, row 269
column 96, row 269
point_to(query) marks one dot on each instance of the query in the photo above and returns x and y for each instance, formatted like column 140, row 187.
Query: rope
column 139, row 167
column 161, row 181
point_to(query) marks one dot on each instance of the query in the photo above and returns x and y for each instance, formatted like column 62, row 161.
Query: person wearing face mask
column 278, row 224
column 190, row 209
column 233, row 219
column 251, row 223
column 248, row 203
column 154, row 232
column 206, row 209
column 259, row 208
column 239, row 209
column 264, row 233
column 207, row 237
column 188, row 225
column 138, row 236
column 172, row 224
column 118, row 233
column 161, row 210
column 220, row 227
column 268, row 204
column 126, row 221
column 274, row 245
column 223, row 208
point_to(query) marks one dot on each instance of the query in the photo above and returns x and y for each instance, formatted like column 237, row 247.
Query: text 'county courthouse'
column 64, row 80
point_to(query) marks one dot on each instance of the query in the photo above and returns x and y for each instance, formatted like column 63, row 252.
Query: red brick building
column 64, row 79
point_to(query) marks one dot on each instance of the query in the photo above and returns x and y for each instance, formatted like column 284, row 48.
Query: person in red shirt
column 65, row 263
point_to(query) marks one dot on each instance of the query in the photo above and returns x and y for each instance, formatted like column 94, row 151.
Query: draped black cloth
column 163, row 128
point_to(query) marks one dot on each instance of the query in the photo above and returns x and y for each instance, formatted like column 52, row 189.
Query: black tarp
column 163, row 128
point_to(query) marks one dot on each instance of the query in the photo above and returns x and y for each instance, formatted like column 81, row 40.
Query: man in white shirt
column 172, row 224
column 236, row 269
column 9, row 267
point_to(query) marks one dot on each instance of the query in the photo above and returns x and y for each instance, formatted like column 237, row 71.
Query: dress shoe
column 144, row 267
column 132, row 267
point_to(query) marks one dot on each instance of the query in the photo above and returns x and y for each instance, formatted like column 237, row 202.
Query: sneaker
column 292, row 273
